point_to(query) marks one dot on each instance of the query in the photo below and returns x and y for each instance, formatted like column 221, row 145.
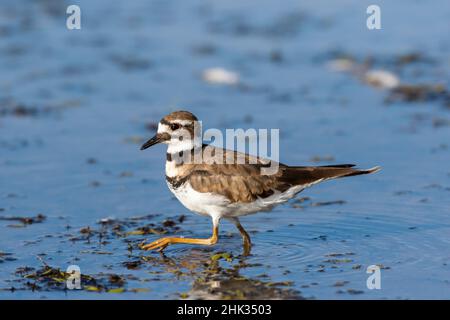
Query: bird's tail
column 312, row 175
column 346, row 170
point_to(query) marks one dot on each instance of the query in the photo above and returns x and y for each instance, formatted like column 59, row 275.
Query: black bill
column 158, row 138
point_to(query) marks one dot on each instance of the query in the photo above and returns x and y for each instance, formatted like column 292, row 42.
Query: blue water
column 97, row 89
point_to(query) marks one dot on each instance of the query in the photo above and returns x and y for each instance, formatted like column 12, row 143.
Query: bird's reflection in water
column 217, row 275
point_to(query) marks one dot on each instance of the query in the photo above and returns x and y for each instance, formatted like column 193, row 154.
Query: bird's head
column 181, row 130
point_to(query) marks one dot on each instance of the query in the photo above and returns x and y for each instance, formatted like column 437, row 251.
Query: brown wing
column 245, row 182
column 237, row 176
column 236, row 187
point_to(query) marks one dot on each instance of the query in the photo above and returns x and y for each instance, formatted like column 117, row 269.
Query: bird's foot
column 159, row 244
column 162, row 243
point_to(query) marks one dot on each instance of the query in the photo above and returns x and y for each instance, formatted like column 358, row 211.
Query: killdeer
column 228, row 190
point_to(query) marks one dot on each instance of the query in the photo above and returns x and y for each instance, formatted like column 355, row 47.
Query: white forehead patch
column 163, row 128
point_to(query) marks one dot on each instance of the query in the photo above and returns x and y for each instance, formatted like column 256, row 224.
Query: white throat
column 186, row 145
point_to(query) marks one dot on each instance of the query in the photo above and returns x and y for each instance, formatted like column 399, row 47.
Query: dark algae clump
column 24, row 220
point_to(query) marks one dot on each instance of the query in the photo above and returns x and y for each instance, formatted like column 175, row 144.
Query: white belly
column 262, row 204
column 219, row 206
column 203, row 203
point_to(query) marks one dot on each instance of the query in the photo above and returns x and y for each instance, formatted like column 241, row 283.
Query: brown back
column 245, row 182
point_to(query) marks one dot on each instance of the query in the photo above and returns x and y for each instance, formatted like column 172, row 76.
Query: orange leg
column 162, row 243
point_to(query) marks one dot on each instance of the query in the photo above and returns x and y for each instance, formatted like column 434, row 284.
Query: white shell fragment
column 220, row 76
column 382, row 79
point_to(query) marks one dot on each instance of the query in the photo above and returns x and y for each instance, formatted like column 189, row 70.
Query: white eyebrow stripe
column 184, row 122
column 162, row 127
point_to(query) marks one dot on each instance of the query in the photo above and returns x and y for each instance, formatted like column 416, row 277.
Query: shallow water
column 76, row 105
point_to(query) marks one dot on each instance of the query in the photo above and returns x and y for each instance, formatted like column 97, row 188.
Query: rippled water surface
column 76, row 105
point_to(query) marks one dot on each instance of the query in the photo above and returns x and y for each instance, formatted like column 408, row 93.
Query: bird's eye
column 174, row 126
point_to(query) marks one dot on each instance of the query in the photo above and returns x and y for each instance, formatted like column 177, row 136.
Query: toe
column 160, row 243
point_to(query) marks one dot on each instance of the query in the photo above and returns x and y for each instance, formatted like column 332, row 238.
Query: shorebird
column 228, row 189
